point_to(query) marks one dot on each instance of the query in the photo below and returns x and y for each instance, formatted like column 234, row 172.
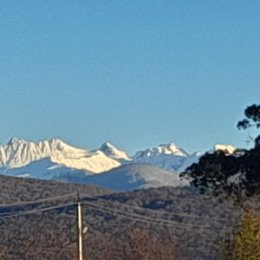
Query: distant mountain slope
column 129, row 177
column 188, row 161
column 14, row 189
column 124, row 178
column 43, row 169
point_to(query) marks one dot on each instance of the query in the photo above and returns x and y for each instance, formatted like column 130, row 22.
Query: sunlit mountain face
column 107, row 166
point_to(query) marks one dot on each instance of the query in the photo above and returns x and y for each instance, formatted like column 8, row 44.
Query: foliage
column 252, row 119
column 245, row 244
column 232, row 174
column 237, row 173
column 212, row 171
column 252, row 114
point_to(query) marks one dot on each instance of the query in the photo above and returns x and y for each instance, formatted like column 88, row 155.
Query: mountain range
column 106, row 166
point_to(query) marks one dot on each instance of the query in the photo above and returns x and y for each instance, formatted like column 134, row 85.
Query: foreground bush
column 245, row 244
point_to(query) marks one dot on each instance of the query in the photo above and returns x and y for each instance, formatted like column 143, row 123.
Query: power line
column 22, row 203
column 132, row 216
column 106, row 206
column 151, row 210
column 147, row 219
column 150, row 221
column 35, row 211
column 106, row 201
column 136, row 216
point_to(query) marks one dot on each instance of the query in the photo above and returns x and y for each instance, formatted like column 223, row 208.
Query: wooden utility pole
column 80, row 240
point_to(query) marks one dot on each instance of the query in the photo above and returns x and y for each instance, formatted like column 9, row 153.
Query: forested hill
column 14, row 189
column 160, row 223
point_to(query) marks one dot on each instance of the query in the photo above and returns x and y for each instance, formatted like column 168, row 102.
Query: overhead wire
column 103, row 207
column 106, row 209
column 35, row 211
column 152, row 210
column 148, row 219
column 22, row 203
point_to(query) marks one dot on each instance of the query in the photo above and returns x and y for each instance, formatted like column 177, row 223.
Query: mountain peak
column 170, row 148
column 110, row 150
column 168, row 156
column 107, row 145
column 162, row 149
column 15, row 140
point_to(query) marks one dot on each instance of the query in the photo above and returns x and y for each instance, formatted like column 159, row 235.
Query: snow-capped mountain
column 170, row 149
column 226, row 148
column 112, row 152
column 123, row 178
column 42, row 169
column 54, row 159
column 18, row 153
column 167, row 156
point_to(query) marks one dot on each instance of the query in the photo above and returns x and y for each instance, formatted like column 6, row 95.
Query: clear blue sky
column 134, row 72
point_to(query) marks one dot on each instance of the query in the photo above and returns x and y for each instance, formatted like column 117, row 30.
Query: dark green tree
column 252, row 119
column 220, row 173
column 237, row 173
column 217, row 173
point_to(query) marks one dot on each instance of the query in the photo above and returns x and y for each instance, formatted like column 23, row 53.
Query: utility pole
column 80, row 240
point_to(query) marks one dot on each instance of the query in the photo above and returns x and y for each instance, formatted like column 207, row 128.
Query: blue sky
column 134, row 72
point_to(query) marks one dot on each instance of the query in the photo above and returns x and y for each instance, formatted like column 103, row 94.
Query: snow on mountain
column 227, row 148
column 113, row 152
column 167, row 156
column 54, row 159
column 41, row 169
column 124, row 178
column 130, row 177
column 18, row 153
column 170, row 149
